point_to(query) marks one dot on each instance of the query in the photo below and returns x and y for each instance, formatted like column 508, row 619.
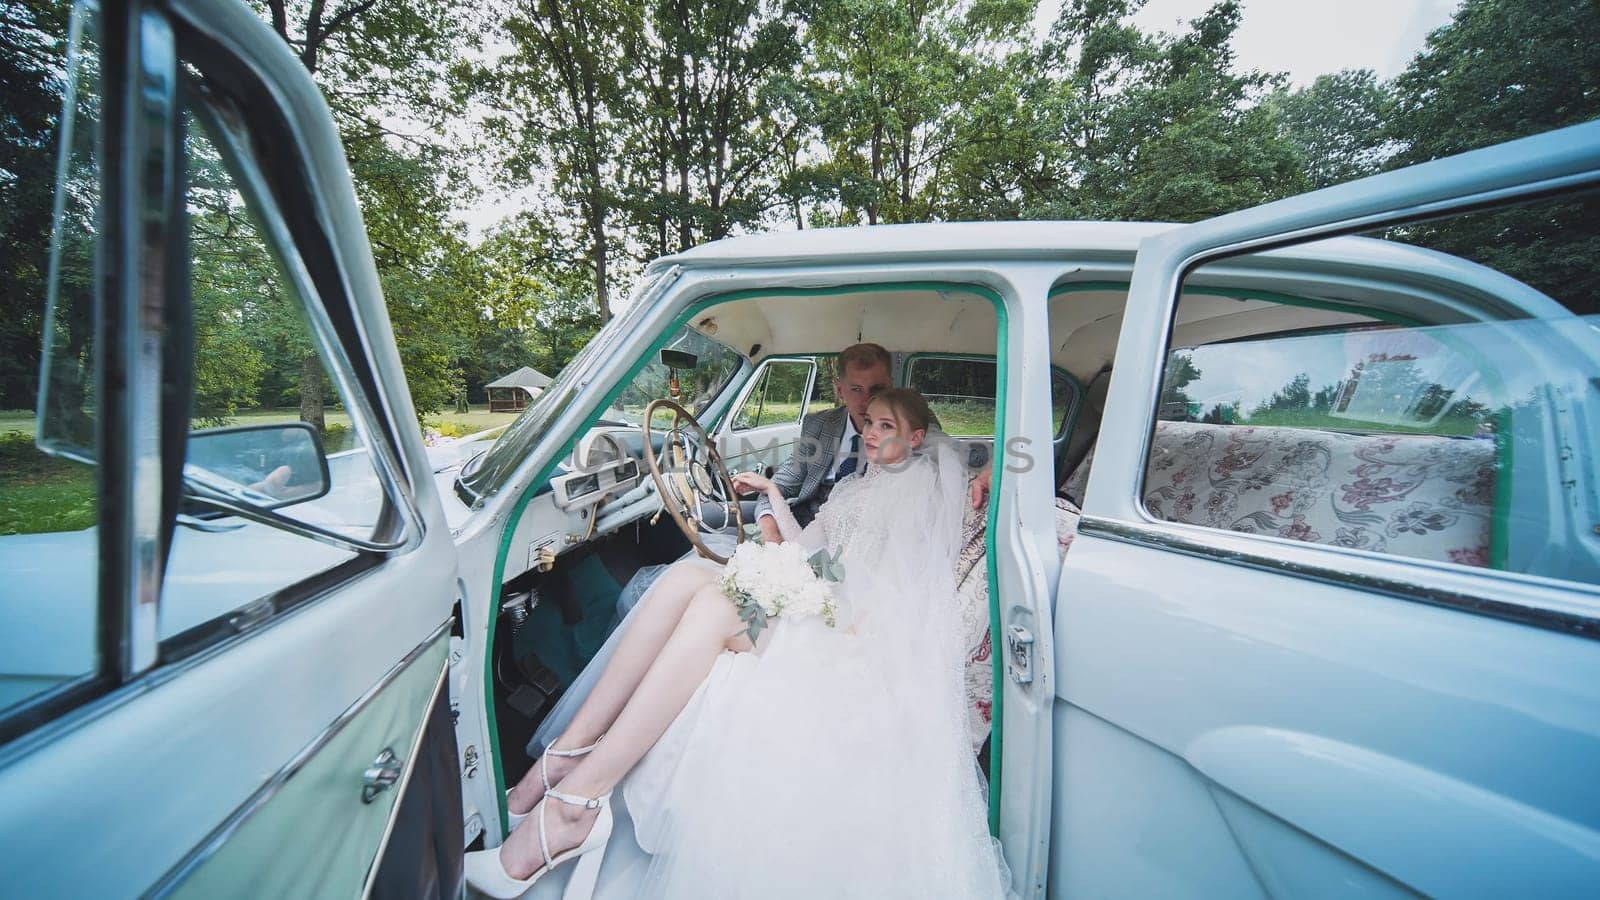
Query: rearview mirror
column 267, row 466
column 679, row 359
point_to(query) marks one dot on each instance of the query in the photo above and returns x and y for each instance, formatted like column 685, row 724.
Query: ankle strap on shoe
column 579, row 751
column 575, row 800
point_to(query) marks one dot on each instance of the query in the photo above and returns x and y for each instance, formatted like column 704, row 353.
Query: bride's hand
column 745, row 482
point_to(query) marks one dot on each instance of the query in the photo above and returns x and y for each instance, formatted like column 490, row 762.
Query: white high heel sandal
column 487, row 874
column 513, row 819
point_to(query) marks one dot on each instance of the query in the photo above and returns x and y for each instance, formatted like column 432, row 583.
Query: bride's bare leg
column 663, row 606
column 709, row 626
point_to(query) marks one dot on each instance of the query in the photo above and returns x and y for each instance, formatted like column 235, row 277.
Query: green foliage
column 1500, row 70
column 31, row 47
column 40, row 494
column 646, row 128
column 1337, row 125
column 1479, row 82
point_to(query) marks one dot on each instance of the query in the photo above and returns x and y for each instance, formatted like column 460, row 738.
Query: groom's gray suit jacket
column 806, row 470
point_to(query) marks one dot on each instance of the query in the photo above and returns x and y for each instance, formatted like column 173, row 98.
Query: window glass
column 48, row 509
column 1063, row 396
column 822, row 386
column 708, row 368
column 959, row 391
column 779, row 396
column 270, row 428
column 1374, row 396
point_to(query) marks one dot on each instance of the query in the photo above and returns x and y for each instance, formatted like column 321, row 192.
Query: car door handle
column 382, row 775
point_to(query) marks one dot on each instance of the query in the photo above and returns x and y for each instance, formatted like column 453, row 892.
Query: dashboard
column 601, row 487
column 600, row 466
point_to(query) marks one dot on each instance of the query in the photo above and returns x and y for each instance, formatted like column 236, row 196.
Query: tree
column 560, row 101
column 32, row 44
column 711, row 118
column 1500, row 70
column 1160, row 127
column 889, row 78
column 1480, row 81
column 1181, row 372
column 379, row 63
column 1338, row 125
column 534, row 284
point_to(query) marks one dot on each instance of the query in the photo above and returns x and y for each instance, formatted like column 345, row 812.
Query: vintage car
column 1291, row 561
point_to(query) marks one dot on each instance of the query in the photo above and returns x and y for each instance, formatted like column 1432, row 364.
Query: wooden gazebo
column 513, row 392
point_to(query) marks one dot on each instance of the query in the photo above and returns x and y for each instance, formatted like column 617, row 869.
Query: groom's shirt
column 842, row 452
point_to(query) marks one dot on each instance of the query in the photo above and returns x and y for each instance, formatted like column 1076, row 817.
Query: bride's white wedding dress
column 836, row 762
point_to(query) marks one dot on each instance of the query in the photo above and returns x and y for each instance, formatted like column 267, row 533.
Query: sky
column 1301, row 38
column 1307, row 38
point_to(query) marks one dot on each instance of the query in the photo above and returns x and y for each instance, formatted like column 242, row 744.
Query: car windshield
column 714, row 366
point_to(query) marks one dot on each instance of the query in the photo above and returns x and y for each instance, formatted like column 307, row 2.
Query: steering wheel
column 693, row 477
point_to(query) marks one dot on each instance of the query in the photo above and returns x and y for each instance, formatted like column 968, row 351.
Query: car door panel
column 260, row 731
column 1391, row 734
column 172, row 759
column 1243, row 715
column 286, row 819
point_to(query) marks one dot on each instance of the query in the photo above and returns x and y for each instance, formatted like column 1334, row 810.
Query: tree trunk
column 602, row 295
column 311, row 409
column 877, row 172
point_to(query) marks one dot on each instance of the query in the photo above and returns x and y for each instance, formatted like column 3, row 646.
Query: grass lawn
column 39, row 493
column 477, row 420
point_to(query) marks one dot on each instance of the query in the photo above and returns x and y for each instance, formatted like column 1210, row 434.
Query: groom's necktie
column 848, row 465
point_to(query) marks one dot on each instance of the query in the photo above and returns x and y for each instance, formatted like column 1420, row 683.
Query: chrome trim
column 81, row 21
column 1572, row 619
column 235, row 148
column 254, row 803
column 151, row 187
column 404, row 782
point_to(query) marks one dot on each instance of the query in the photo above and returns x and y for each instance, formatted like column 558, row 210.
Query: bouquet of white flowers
column 768, row 580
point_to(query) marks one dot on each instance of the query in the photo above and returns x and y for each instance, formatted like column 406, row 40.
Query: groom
column 830, row 442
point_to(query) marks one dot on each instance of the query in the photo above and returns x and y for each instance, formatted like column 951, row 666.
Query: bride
column 819, row 761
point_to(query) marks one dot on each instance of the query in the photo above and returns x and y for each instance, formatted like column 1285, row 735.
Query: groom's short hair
column 862, row 356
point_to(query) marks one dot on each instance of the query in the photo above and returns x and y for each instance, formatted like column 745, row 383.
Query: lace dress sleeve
column 811, row 537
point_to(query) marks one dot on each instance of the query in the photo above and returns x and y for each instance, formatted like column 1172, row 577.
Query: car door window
column 778, row 397
column 1383, row 398
column 49, row 614
column 271, row 425
column 961, row 392
column 822, row 396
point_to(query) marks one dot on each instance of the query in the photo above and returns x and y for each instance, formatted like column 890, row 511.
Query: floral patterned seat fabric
column 1422, row 496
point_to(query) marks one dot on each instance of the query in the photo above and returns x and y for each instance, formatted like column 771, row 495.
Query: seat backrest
column 1418, row 495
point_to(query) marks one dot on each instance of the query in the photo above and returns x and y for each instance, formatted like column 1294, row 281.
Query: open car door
column 1328, row 626
column 233, row 681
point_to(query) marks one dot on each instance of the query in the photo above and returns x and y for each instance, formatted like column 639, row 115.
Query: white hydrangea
column 778, row 578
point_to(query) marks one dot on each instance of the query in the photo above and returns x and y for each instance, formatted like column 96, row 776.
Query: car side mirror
column 266, row 466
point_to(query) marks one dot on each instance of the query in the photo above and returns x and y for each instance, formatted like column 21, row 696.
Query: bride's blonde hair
column 908, row 406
